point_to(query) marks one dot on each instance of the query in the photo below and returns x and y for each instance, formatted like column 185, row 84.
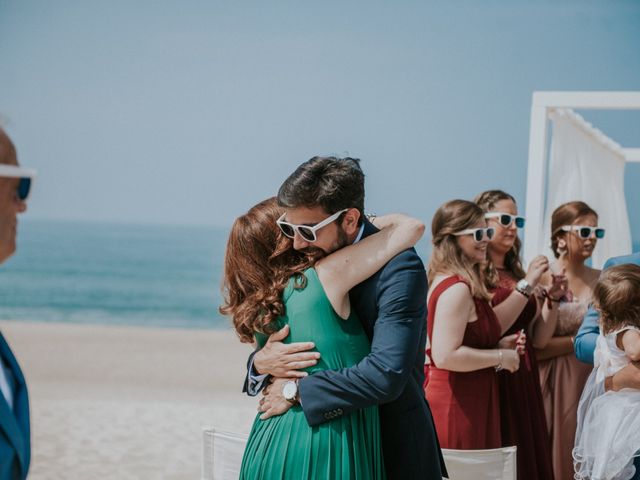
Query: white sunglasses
column 25, row 176
column 506, row 219
column 478, row 233
column 306, row 232
column 584, row 232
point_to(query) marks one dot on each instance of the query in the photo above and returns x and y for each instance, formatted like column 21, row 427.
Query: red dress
column 523, row 421
column 465, row 405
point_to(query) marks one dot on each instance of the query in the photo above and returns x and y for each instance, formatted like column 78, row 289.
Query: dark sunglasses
column 506, row 219
column 24, row 177
column 306, row 232
column 584, row 232
column 24, row 188
column 478, row 233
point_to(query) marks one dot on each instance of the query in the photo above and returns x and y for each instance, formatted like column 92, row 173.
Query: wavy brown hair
column 447, row 256
column 512, row 262
column 617, row 297
column 566, row 214
column 259, row 262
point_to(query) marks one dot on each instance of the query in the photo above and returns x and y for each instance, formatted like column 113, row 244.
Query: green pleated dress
column 348, row 447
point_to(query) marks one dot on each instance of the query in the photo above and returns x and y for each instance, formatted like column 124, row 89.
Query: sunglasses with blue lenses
column 24, row 188
column 479, row 234
column 583, row 231
column 24, row 177
column 506, row 219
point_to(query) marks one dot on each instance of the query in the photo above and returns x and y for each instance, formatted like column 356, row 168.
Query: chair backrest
column 222, row 454
column 495, row 464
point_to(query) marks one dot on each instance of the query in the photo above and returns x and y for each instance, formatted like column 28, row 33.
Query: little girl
column 608, row 434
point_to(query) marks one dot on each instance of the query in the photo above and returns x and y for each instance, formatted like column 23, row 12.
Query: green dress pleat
column 347, row 447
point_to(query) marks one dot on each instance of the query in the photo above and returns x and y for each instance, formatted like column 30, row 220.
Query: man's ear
column 350, row 221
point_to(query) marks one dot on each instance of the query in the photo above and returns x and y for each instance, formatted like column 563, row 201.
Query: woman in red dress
column 523, row 421
column 464, row 332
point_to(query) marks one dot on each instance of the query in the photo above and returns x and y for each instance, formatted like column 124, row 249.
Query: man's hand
column 284, row 360
column 273, row 402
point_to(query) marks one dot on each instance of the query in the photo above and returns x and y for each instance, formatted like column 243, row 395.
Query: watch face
column 289, row 390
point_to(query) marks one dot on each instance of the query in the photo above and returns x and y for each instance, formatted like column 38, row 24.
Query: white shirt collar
column 359, row 237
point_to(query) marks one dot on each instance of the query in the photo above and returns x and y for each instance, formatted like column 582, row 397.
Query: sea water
column 114, row 274
column 118, row 274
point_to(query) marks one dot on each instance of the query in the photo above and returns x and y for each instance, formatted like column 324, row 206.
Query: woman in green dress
column 268, row 285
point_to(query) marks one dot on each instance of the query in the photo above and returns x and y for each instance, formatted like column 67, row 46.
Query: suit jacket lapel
column 8, row 419
column 369, row 229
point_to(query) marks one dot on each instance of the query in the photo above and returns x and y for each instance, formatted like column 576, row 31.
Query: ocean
column 114, row 274
column 161, row 276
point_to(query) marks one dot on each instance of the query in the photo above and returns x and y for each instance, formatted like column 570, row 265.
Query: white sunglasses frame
column 313, row 229
column 499, row 214
column 14, row 171
column 577, row 228
column 472, row 231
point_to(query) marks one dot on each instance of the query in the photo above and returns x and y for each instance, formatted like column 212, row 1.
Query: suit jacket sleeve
column 382, row 375
column 253, row 383
column 585, row 341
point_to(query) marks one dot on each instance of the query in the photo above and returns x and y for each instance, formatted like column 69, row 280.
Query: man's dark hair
column 328, row 182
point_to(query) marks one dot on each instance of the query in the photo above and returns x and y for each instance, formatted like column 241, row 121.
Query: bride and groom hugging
column 337, row 308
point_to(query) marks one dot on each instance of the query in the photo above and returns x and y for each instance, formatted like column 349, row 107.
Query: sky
column 190, row 112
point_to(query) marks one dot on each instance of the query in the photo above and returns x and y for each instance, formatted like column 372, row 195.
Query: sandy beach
column 127, row 402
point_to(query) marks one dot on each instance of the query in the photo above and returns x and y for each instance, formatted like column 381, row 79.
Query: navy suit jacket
column 585, row 341
column 392, row 307
column 15, row 442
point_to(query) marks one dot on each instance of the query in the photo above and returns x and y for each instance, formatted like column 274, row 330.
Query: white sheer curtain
column 587, row 165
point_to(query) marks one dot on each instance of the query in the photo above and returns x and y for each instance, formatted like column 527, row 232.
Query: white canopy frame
column 543, row 105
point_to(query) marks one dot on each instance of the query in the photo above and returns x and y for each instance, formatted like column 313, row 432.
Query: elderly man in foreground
column 15, row 442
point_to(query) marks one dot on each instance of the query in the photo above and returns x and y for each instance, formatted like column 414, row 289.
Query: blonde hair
column 617, row 297
column 447, row 256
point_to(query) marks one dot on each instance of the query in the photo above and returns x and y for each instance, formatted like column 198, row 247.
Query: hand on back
column 284, row 359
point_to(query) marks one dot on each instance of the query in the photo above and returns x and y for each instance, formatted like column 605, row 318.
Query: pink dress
column 562, row 380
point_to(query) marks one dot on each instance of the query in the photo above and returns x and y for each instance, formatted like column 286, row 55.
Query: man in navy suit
column 585, row 345
column 392, row 308
column 15, row 442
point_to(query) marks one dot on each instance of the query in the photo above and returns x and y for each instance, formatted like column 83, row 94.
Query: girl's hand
column 510, row 360
column 537, row 268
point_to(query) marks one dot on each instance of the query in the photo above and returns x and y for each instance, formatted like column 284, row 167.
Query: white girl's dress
column 608, row 434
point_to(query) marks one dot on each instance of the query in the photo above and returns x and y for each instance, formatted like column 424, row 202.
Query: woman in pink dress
column 522, row 414
column 574, row 234
column 464, row 332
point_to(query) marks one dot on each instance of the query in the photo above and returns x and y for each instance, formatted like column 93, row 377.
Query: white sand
column 127, row 403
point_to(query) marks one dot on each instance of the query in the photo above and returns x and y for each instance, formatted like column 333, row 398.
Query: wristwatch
column 290, row 391
column 524, row 288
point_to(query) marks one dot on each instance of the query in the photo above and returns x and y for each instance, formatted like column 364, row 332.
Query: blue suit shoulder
column 633, row 258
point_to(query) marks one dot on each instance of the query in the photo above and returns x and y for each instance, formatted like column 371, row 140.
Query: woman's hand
column 559, row 286
column 510, row 360
column 537, row 268
column 515, row 342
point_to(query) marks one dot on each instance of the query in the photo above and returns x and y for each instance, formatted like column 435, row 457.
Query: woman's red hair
column 259, row 262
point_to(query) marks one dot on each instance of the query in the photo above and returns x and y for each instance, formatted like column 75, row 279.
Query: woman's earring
column 562, row 247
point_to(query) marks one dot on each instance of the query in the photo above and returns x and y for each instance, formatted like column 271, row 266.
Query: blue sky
column 190, row 112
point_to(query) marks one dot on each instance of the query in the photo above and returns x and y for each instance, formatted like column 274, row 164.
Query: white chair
column 222, row 454
column 495, row 464
column 222, row 457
